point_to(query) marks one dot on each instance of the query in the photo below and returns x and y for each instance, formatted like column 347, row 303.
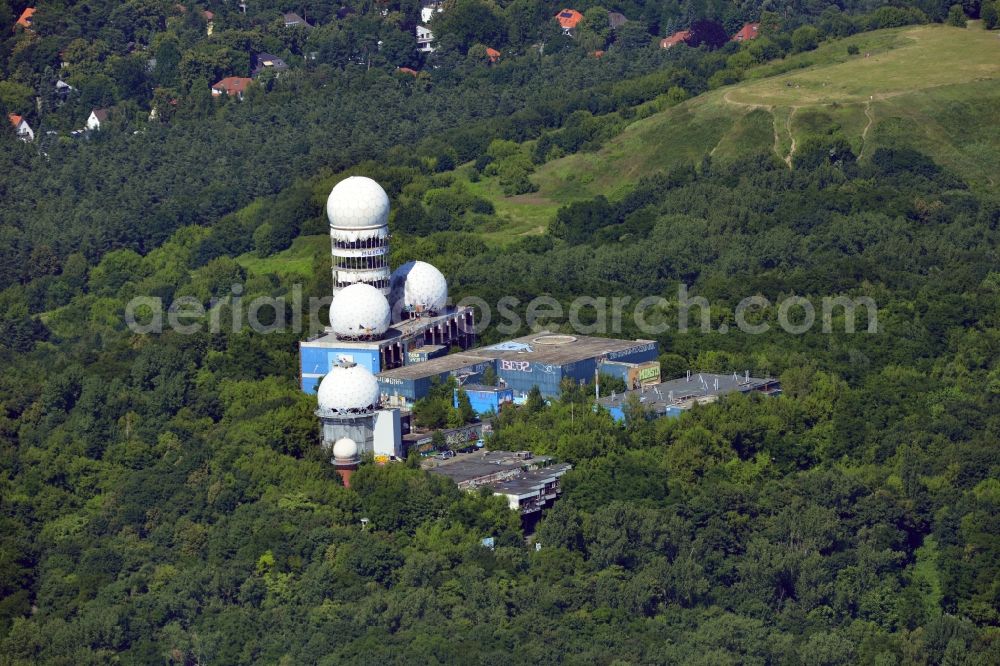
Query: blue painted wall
column 411, row 389
column 646, row 351
column 486, row 401
column 415, row 389
column 315, row 361
column 617, row 369
column 522, row 375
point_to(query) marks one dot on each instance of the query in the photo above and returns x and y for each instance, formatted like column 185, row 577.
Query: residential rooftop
column 569, row 18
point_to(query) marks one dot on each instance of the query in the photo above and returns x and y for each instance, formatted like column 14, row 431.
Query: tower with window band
column 358, row 211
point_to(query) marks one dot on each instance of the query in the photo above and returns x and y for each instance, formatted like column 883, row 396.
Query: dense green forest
column 163, row 497
column 205, row 158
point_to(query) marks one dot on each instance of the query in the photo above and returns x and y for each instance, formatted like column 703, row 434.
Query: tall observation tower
column 358, row 210
column 379, row 319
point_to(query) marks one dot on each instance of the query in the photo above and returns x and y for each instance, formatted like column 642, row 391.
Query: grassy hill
column 934, row 88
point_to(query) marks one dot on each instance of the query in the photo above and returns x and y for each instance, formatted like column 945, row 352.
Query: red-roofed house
column 21, row 127
column 25, row 20
column 97, row 118
column 675, row 39
column 568, row 18
column 408, row 70
column 231, row 85
column 747, row 32
column 492, row 54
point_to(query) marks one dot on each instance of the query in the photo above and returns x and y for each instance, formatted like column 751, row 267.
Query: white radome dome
column 357, row 202
column 420, row 287
column 359, row 310
column 348, row 388
column 345, row 448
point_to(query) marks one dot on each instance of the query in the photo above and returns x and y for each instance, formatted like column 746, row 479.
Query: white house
column 97, row 118
column 428, row 11
column 21, row 127
column 424, row 39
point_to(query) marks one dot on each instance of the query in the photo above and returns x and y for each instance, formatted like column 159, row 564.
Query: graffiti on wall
column 650, row 374
column 516, row 366
column 649, row 346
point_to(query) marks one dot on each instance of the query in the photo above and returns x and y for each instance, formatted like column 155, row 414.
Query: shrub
column 816, row 151
column 990, row 15
column 805, row 38
column 956, row 16
column 445, row 162
column 892, row 17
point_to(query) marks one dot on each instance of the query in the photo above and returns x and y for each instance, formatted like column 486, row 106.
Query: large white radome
column 345, row 448
column 359, row 310
column 420, row 287
column 357, row 202
column 348, row 388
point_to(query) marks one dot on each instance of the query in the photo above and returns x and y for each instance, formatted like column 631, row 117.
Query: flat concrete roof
column 400, row 330
column 684, row 391
column 432, row 367
column 430, row 349
column 531, row 480
column 519, row 486
column 467, row 466
column 557, row 348
column 546, row 348
column 484, row 388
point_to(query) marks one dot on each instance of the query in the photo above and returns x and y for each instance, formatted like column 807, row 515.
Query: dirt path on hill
column 864, row 132
column 788, row 128
column 749, row 105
